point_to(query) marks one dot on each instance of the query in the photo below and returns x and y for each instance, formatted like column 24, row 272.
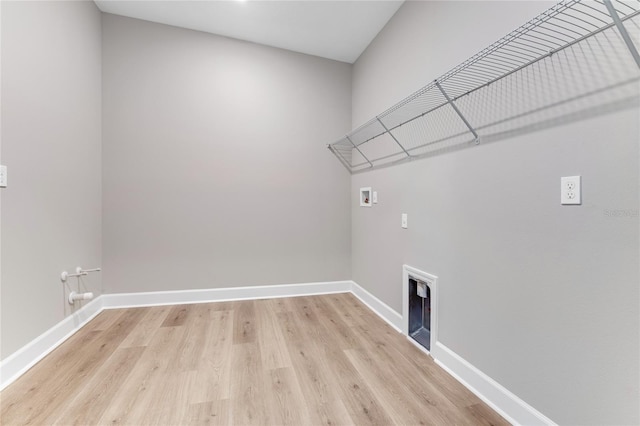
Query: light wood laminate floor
column 297, row 361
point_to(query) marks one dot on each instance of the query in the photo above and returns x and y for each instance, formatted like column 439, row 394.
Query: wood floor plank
column 192, row 350
column 213, row 413
column 419, row 379
column 403, row 405
column 177, row 316
column 349, row 309
column 306, row 322
column 43, row 375
column 362, row 405
column 133, row 403
column 244, row 322
column 169, row 403
column 314, row 374
column 424, row 367
column 247, row 388
column 142, row 334
column 317, row 384
column 47, row 401
column 334, row 323
column 213, row 381
column 104, row 320
column 221, row 306
column 291, row 361
column 273, row 348
column 485, row 416
column 285, row 404
column 288, row 326
column 91, row 402
column 278, row 306
column 445, row 383
column 20, row 400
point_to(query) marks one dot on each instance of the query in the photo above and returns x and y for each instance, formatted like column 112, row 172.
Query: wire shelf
column 575, row 58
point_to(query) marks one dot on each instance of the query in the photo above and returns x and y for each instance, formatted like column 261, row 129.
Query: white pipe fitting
column 81, row 271
column 65, row 275
column 73, row 297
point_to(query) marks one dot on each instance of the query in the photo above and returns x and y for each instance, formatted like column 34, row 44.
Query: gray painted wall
column 51, row 211
column 215, row 168
column 218, row 178
column 541, row 297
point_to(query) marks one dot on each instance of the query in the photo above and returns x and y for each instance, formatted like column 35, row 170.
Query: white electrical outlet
column 375, row 197
column 570, row 190
column 404, row 220
column 3, row 176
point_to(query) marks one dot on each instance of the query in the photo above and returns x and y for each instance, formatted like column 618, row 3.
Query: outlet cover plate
column 3, row 176
column 570, row 190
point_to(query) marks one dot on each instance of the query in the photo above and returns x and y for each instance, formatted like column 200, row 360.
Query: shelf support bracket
column 393, row 137
column 455, row 108
column 342, row 160
column 356, row 147
column 623, row 31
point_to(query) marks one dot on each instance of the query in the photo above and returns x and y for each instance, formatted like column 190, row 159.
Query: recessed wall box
column 365, row 197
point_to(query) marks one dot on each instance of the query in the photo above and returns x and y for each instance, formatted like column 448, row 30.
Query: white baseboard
column 505, row 403
column 383, row 310
column 512, row 408
column 157, row 298
column 508, row 405
column 26, row 357
column 22, row 360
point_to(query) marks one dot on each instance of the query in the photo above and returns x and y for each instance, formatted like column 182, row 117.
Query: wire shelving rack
column 575, row 56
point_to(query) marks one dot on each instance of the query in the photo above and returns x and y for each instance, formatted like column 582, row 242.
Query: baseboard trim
column 505, row 403
column 380, row 308
column 158, row 298
column 16, row 364
column 512, row 408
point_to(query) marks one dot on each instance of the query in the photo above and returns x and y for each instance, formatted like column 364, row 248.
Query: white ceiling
column 339, row 30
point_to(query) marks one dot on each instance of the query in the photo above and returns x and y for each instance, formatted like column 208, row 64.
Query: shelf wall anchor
column 455, row 108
